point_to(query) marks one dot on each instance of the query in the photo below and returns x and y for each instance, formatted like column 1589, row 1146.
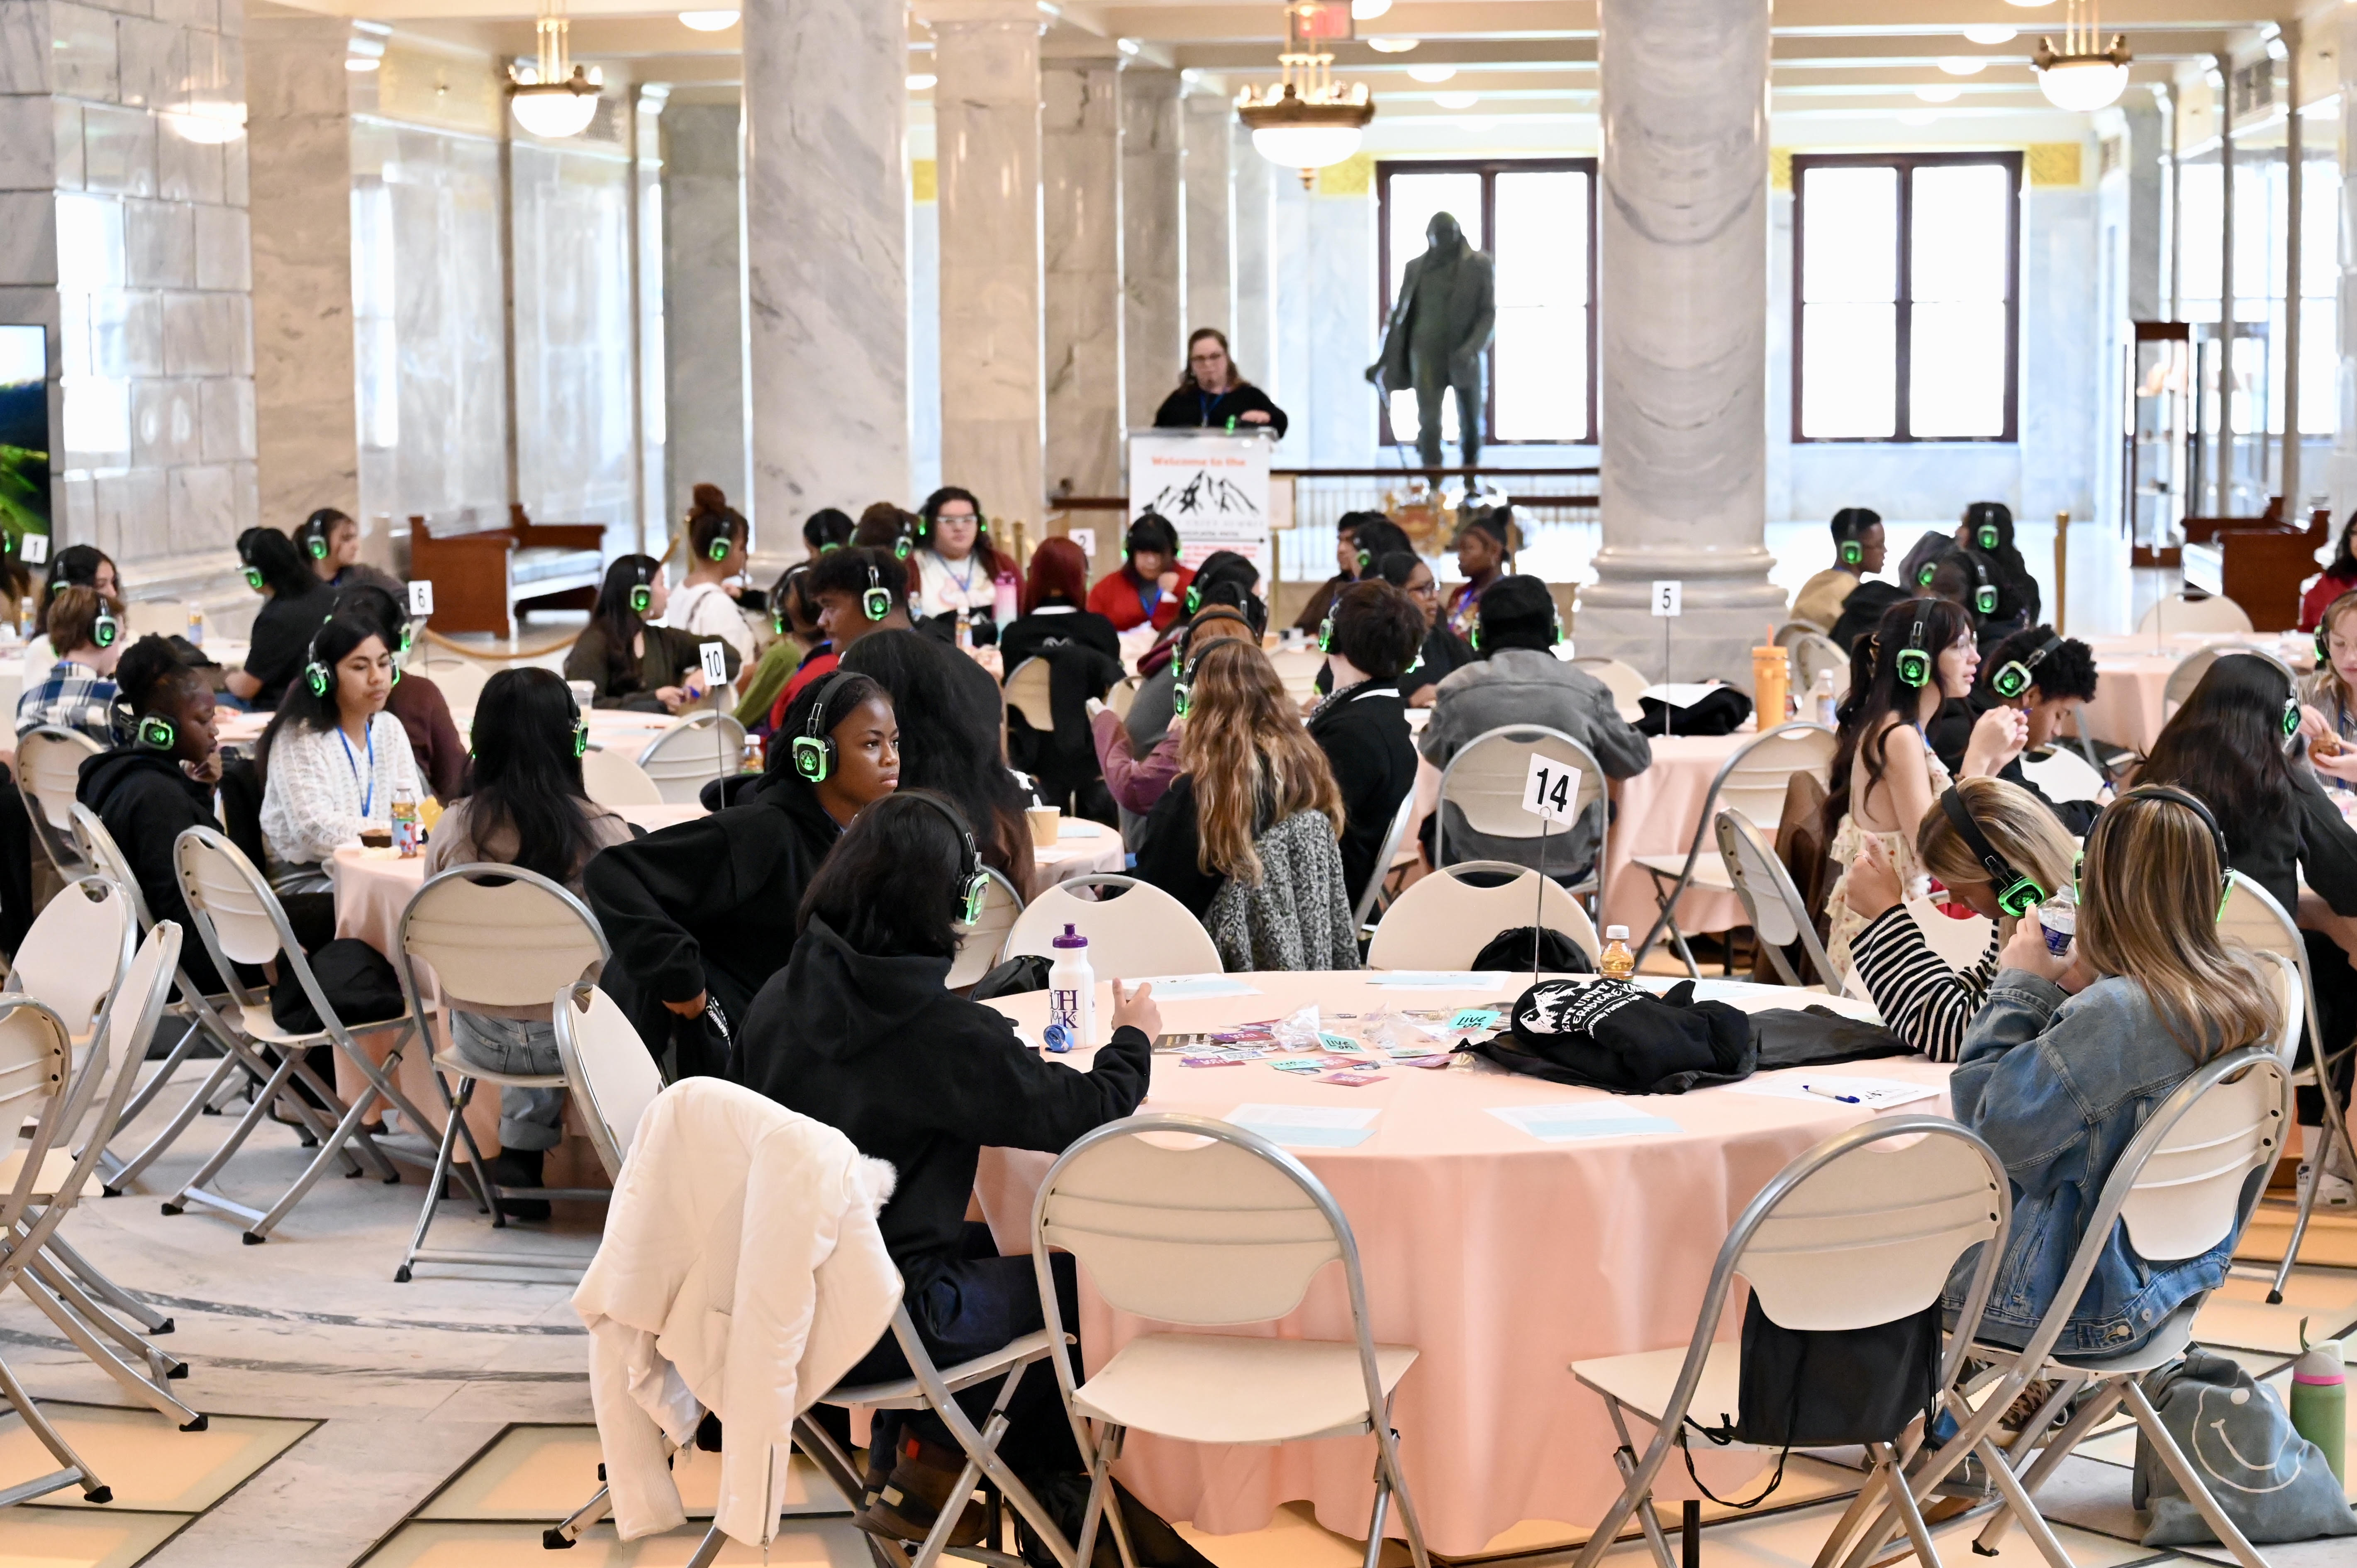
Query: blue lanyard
column 966, row 583
column 368, row 788
column 1205, row 402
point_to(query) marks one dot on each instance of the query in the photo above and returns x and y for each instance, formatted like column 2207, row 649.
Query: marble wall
column 703, row 300
column 1206, row 145
column 570, row 209
column 1254, row 337
column 1322, row 262
column 1153, row 242
column 1081, row 225
column 124, row 231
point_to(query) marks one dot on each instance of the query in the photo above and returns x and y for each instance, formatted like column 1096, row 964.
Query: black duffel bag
column 357, row 980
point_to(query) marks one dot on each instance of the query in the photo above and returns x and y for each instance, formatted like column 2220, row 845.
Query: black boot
column 519, row 1168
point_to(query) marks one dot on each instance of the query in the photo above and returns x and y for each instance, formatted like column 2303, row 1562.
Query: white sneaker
column 2336, row 1191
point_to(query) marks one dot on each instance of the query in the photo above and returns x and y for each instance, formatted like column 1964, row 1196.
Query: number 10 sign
column 1551, row 790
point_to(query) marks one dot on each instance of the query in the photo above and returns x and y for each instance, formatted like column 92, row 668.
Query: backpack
column 357, row 980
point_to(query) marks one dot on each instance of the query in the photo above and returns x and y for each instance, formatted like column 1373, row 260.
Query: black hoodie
column 881, row 1051
column 708, row 905
column 147, row 803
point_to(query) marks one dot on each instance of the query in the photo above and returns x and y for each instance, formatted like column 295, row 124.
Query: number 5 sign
column 1667, row 596
column 1551, row 790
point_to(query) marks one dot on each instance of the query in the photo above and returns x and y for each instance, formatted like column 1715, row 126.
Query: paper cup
column 1043, row 819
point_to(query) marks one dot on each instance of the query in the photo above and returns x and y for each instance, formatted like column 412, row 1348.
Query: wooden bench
column 2257, row 562
column 484, row 578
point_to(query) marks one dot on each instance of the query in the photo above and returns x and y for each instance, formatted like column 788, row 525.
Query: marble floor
column 445, row 1421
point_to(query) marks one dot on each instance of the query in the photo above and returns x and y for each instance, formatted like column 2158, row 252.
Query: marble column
column 123, row 232
column 1252, row 339
column 986, row 151
column 1153, row 243
column 825, row 233
column 1682, row 309
column 1081, row 225
column 1205, row 145
column 704, row 304
column 299, row 136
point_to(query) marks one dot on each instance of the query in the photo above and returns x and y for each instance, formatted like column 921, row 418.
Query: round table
column 1657, row 812
column 1078, row 853
column 2133, row 671
column 1501, row 1258
column 613, row 728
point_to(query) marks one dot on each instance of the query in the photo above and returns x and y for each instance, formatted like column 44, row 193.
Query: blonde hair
column 2148, row 910
column 1248, row 753
column 2017, row 825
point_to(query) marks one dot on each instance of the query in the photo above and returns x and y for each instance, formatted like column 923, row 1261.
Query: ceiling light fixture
column 921, row 81
column 1368, row 10
column 1392, row 46
column 1991, row 33
column 1431, row 75
column 708, row 21
column 552, row 97
column 1457, row 100
column 1963, row 65
column 1938, row 92
column 2079, row 76
column 1307, row 122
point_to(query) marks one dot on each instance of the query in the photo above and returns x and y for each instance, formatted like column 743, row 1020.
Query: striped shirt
column 72, row 696
column 1922, row 1000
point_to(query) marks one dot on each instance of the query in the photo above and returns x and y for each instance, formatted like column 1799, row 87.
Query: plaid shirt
column 73, row 696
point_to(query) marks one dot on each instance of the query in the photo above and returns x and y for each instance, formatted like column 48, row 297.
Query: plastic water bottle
column 1072, row 994
column 195, row 626
column 404, row 822
column 1827, row 703
column 2058, row 921
column 1003, row 597
column 1616, row 961
column 2320, row 1401
column 964, row 627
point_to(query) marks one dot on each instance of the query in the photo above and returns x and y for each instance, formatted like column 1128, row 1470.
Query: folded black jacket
column 881, row 1051
column 1609, row 1035
column 147, row 803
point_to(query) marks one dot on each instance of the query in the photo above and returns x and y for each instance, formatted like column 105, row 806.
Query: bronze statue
column 1447, row 304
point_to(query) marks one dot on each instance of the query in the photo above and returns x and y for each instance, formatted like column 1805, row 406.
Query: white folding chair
column 77, row 949
column 1792, row 630
column 1443, row 921
column 1026, row 692
column 2178, row 1190
column 2252, row 917
column 494, row 935
column 979, row 944
column 1625, row 681
column 242, row 921
column 1862, row 1230
column 48, row 771
column 2184, row 676
column 2176, row 613
column 1483, row 784
column 460, row 681
column 1751, row 781
column 34, row 1255
column 160, row 618
column 611, row 778
column 1143, row 930
column 1812, row 654
column 614, row 1075
column 1229, row 1231
column 1395, row 836
column 698, row 748
column 1779, row 918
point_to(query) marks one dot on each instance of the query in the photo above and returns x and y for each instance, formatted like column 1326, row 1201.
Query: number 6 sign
column 1551, row 790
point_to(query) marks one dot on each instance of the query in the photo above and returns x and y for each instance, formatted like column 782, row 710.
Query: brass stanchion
column 2061, row 568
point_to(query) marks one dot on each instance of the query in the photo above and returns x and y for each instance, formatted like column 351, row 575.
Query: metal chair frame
column 49, row 833
column 677, row 737
column 1392, row 838
column 1592, row 884
column 1732, row 825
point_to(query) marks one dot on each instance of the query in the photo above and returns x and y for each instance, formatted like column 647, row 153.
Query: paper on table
column 1868, row 1093
column 1438, row 978
column 1681, row 693
column 1571, row 1123
column 1308, row 1126
column 1188, row 987
column 1073, row 828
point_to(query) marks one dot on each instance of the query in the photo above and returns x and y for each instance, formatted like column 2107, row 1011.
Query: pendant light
column 1306, row 121
column 2078, row 77
column 554, row 97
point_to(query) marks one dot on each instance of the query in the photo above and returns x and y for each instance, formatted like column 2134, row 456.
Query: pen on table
column 1829, row 1094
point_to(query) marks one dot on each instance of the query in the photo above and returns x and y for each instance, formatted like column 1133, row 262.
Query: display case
column 2160, row 447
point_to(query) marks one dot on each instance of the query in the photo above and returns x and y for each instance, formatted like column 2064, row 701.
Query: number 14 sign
column 1551, row 790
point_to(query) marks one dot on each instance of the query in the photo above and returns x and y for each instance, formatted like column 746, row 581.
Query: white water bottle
column 1826, row 702
column 1072, row 994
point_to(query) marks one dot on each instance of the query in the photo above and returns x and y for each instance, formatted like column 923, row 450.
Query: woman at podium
column 1213, row 393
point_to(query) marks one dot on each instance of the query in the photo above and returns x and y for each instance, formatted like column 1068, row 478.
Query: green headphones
column 1925, row 572
column 315, row 675
column 973, row 882
column 1984, row 591
column 580, row 730
column 315, row 532
column 1852, row 552
column 1986, row 536
column 876, row 604
column 253, row 578
column 1366, row 559
column 149, row 732
column 1473, row 632
column 1326, row 633
column 900, row 549
column 718, row 549
column 642, row 596
column 105, row 628
column 1182, row 683
column 812, row 752
column 1913, row 665
column 2017, row 894
column 1195, row 602
column 2015, row 676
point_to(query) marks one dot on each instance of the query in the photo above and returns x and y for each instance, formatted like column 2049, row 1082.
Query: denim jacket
column 2059, row 1087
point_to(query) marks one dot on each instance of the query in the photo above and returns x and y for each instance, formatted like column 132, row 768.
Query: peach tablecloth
column 2131, row 672
column 1657, row 812
column 1501, row 1259
column 1077, row 855
column 625, row 731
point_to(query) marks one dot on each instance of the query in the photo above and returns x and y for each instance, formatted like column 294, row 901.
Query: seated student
column 331, row 541
column 824, row 529
column 75, row 567
column 2329, row 702
column 1346, row 555
column 77, row 692
column 1055, row 591
column 950, row 714
column 1922, row 1000
column 705, row 910
column 1151, row 585
column 2072, row 1054
column 1518, row 679
column 1362, row 727
column 957, row 561
column 2044, row 676
column 158, row 781
column 888, row 528
column 2339, row 578
column 416, row 701
column 1377, row 538
column 1485, row 550
column 525, row 806
column 2231, row 748
column 1885, row 775
column 1225, row 579
column 1137, row 782
column 332, row 759
column 858, row 590
column 295, row 605
column 793, row 620
column 1987, row 531
column 1857, row 554
column 636, row 661
column 858, row 1030
column 1443, row 652
column 1246, row 764
column 706, row 606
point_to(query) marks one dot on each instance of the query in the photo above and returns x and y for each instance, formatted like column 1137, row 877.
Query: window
column 1536, row 218
column 1905, row 319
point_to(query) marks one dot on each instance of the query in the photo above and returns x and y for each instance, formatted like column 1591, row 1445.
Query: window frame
column 1903, row 406
column 1488, row 169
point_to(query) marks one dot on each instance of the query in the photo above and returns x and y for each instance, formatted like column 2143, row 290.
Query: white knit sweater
column 311, row 802
column 705, row 610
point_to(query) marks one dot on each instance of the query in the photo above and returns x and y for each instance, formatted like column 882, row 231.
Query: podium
column 1211, row 485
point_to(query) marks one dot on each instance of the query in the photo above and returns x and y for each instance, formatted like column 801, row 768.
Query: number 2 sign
column 1551, row 790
